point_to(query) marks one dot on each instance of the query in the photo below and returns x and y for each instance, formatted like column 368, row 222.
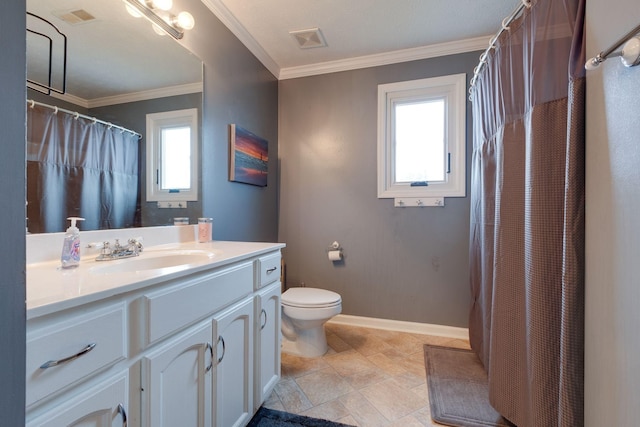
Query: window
column 172, row 156
column 421, row 139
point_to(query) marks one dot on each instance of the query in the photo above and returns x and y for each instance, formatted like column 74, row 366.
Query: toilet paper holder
column 334, row 251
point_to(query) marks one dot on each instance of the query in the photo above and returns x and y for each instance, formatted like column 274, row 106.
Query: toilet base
column 309, row 343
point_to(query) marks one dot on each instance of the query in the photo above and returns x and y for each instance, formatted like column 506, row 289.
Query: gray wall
column 12, row 217
column 612, row 347
column 237, row 89
column 408, row 264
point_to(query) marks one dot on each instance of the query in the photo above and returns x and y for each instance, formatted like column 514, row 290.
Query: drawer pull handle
column 52, row 363
column 122, row 412
column 223, row 348
column 271, row 270
column 210, row 348
column 265, row 318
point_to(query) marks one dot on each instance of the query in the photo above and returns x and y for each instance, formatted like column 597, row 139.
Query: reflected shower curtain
column 527, row 217
column 79, row 168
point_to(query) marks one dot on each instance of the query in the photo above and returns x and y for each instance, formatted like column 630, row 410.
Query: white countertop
column 51, row 288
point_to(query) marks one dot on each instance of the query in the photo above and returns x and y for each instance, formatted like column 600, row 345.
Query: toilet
column 304, row 313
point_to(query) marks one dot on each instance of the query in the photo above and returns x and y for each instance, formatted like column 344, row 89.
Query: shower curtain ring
column 504, row 25
column 33, row 103
column 527, row 3
column 76, row 116
column 492, row 42
column 55, row 110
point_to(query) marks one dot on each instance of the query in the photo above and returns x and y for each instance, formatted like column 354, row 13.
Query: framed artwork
column 248, row 157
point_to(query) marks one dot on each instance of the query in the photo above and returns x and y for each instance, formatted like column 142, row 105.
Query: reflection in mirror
column 118, row 70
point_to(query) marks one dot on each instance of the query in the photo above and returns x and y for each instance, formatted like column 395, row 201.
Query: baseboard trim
column 401, row 326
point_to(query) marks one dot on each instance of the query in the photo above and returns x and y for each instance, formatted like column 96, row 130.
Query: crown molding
column 144, row 95
column 75, row 100
column 404, row 55
column 131, row 97
column 223, row 14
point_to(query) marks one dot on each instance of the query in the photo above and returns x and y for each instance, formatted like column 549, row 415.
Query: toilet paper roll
column 335, row 255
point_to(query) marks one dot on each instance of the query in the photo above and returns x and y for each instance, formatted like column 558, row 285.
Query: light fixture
column 163, row 21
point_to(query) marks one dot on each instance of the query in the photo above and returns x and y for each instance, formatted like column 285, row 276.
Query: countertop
column 51, row 288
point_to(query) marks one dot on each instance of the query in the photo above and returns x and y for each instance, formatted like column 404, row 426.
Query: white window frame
column 155, row 123
column 452, row 89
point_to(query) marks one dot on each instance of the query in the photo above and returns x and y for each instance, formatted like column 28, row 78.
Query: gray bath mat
column 272, row 418
column 458, row 389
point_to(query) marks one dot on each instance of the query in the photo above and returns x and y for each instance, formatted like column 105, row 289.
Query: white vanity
column 186, row 334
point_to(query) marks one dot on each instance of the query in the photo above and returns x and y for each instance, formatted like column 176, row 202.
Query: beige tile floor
column 368, row 378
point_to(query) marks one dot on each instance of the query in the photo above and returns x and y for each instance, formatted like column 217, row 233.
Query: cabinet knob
column 265, row 319
column 122, row 412
column 210, row 348
column 220, row 339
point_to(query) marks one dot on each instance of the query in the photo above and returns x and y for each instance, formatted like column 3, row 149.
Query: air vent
column 308, row 39
column 76, row 16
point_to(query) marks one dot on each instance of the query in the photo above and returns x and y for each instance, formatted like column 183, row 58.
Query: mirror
column 118, row 70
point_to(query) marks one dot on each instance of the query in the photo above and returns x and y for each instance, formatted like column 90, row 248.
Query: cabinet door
column 234, row 369
column 101, row 406
column 267, row 344
column 177, row 380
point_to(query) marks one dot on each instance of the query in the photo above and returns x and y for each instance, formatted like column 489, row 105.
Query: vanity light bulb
column 185, row 21
column 162, row 4
column 133, row 11
column 159, row 31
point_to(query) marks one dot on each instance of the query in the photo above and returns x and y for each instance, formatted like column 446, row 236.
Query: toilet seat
column 310, row 298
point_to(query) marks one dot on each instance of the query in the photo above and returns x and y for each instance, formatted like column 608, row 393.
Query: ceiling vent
column 76, row 16
column 308, row 39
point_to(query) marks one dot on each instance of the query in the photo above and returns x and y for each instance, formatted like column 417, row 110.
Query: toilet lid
column 310, row 297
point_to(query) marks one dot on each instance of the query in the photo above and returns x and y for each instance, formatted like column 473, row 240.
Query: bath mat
column 272, row 418
column 458, row 389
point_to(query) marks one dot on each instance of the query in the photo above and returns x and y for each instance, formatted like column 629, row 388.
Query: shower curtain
column 76, row 167
column 527, row 217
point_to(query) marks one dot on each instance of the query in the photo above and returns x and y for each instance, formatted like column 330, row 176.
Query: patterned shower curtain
column 527, row 217
column 76, row 167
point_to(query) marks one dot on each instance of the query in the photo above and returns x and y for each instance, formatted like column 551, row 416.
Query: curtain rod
column 492, row 43
column 77, row 115
column 602, row 56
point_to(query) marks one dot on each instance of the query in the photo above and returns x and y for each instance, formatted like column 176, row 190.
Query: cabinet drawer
column 173, row 308
column 65, row 352
column 267, row 269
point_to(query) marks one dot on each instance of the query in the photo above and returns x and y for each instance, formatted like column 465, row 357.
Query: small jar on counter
column 205, row 229
column 181, row 221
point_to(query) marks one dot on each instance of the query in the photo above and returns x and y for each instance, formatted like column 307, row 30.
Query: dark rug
column 272, row 418
column 458, row 389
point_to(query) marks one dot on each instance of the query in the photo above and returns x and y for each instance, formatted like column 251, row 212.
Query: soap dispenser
column 71, row 247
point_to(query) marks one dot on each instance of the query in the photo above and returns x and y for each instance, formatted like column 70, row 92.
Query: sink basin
column 153, row 261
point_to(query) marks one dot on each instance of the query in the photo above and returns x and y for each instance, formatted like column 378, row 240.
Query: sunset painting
column 249, row 155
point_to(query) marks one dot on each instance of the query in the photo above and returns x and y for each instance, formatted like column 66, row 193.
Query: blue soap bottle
column 70, row 256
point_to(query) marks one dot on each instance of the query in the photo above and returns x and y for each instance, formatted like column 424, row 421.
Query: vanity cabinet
column 176, row 380
column 267, row 364
column 199, row 349
column 234, row 365
column 100, row 406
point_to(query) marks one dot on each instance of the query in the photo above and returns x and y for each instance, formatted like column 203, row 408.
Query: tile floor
column 368, row 378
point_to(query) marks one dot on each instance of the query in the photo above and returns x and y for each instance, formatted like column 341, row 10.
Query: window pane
column 176, row 158
column 419, row 148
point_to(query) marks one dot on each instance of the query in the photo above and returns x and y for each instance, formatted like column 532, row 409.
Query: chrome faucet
column 131, row 249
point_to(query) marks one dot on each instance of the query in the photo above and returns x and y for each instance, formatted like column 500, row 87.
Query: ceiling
column 358, row 33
